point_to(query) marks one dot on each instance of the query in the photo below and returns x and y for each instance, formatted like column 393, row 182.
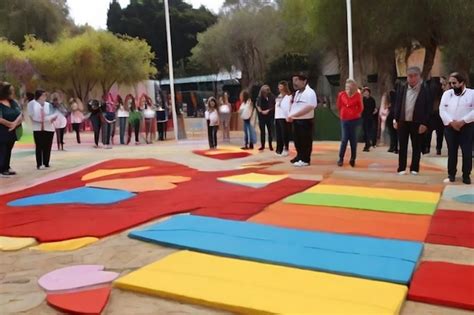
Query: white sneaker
column 278, row 154
column 300, row 164
column 284, row 153
column 402, row 173
column 414, row 173
column 42, row 167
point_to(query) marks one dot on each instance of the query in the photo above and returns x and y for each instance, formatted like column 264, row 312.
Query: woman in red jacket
column 350, row 106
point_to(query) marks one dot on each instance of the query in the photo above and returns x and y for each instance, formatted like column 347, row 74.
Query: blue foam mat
column 366, row 257
column 82, row 195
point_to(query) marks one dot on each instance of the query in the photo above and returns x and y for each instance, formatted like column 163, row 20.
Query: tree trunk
column 430, row 53
column 386, row 72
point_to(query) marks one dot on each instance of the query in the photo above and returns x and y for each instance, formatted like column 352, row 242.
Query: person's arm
column 312, row 104
column 5, row 122
column 469, row 117
column 360, row 105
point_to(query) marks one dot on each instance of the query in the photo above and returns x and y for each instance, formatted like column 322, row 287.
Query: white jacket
column 35, row 110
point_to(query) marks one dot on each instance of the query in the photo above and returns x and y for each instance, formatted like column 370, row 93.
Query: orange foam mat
column 344, row 220
column 393, row 185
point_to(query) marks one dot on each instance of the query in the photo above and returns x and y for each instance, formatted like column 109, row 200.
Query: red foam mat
column 443, row 284
column 204, row 195
column 450, row 227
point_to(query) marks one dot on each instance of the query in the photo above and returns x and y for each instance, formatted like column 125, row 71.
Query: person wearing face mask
column 350, row 106
column 413, row 106
column 42, row 115
column 457, row 112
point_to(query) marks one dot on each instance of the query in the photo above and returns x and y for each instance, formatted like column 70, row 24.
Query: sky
column 94, row 12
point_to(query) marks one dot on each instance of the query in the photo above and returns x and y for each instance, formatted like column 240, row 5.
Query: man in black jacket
column 413, row 106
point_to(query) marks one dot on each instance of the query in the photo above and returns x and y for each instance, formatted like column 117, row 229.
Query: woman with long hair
column 123, row 111
column 42, row 115
column 61, row 121
column 77, row 116
column 266, row 112
column 134, row 119
column 225, row 112
column 350, row 106
column 247, row 113
column 283, row 128
column 96, row 109
column 149, row 113
column 212, row 118
column 10, row 120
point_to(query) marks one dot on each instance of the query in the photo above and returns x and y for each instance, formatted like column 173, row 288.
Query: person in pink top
column 350, row 106
column 77, row 116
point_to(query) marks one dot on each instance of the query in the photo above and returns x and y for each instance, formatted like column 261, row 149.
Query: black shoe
column 244, row 148
column 466, row 180
column 395, row 151
column 340, row 163
column 296, row 159
column 426, row 151
column 261, row 148
column 438, row 152
column 391, row 150
column 271, row 148
column 352, row 163
column 366, row 150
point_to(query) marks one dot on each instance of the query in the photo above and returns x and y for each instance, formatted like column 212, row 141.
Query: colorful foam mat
column 449, row 227
column 66, row 245
column 444, row 284
column 249, row 287
column 82, row 302
column 222, row 154
column 256, row 180
column 205, row 195
column 384, row 184
column 346, row 220
column 362, row 202
column 373, row 258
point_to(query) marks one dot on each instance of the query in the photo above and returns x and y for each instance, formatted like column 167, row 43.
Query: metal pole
column 171, row 73
column 349, row 39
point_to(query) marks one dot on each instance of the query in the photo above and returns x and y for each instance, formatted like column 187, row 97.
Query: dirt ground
column 20, row 270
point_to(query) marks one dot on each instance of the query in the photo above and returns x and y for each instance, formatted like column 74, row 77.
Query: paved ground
column 19, row 271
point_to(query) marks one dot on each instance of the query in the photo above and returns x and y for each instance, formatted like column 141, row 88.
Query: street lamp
column 171, row 71
column 349, row 39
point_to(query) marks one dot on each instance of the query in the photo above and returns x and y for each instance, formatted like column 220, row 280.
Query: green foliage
column 44, row 18
column 146, row 19
column 245, row 38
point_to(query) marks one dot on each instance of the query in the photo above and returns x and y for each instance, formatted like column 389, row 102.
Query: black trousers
column 409, row 130
column 303, row 138
column 43, row 142
column 77, row 128
column 161, row 130
column 60, row 137
column 213, row 136
column 435, row 124
column 107, row 131
column 463, row 139
column 136, row 129
column 96, row 126
column 266, row 121
column 375, row 129
column 393, row 133
column 368, row 126
column 5, row 155
column 283, row 131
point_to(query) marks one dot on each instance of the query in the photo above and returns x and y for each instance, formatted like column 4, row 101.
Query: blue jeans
column 250, row 136
column 349, row 134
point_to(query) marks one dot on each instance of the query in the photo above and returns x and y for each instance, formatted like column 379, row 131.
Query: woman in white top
column 77, row 117
column 42, row 115
column 225, row 112
column 247, row 114
column 149, row 114
column 283, row 128
column 122, row 113
column 212, row 117
column 60, row 122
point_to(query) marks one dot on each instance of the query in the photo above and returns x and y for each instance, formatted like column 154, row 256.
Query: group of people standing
column 286, row 113
column 413, row 115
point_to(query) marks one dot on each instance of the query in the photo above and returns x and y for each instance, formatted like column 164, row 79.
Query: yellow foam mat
column 379, row 193
column 114, row 171
column 250, row 287
column 223, row 150
column 141, row 184
column 66, row 245
column 254, row 178
column 8, row 243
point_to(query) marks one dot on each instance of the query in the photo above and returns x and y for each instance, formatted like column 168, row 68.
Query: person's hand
column 289, row 119
column 422, row 129
column 54, row 119
column 457, row 124
column 395, row 125
column 265, row 112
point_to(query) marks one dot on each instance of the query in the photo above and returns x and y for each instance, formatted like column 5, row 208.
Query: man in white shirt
column 457, row 112
column 301, row 115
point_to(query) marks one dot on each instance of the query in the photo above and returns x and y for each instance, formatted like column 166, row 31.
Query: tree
column 76, row 65
column 46, row 19
column 14, row 66
column 245, row 38
column 146, row 19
